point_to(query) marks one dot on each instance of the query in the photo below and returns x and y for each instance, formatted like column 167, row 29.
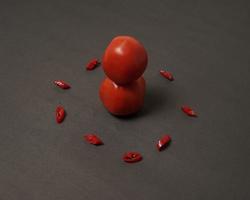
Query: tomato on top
column 124, row 60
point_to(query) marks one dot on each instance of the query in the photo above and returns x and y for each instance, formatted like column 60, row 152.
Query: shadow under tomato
column 156, row 100
column 132, row 116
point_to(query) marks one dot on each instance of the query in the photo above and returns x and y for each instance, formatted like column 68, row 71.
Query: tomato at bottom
column 122, row 100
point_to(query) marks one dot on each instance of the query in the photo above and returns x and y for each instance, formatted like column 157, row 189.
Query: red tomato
column 124, row 60
column 122, row 100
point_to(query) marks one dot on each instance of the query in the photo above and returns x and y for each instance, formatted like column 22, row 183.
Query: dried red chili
column 60, row 114
column 92, row 64
column 189, row 111
column 93, row 139
column 132, row 157
column 62, row 84
column 166, row 74
column 163, row 142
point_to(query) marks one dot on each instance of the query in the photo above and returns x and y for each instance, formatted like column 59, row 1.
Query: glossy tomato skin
column 124, row 60
column 122, row 100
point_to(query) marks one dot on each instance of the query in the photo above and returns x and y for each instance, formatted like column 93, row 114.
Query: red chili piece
column 163, row 142
column 62, row 84
column 93, row 139
column 60, row 114
column 132, row 157
column 167, row 75
column 92, row 64
column 189, row 111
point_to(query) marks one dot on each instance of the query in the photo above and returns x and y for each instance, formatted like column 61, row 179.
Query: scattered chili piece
column 60, row 114
column 166, row 74
column 92, row 64
column 132, row 157
column 189, row 111
column 62, row 84
column 163, row 142
column 93, row 139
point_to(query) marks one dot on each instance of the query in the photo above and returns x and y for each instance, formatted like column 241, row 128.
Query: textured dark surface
column 204, row 44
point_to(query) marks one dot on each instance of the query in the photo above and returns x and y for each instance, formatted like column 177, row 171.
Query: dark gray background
column 205, row 45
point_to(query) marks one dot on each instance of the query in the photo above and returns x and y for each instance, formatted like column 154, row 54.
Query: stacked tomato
column 124, row 61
